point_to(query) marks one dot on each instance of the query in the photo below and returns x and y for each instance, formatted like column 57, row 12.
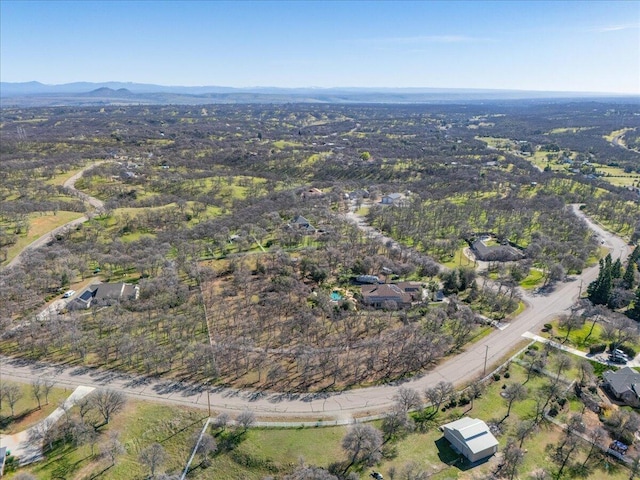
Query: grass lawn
column 63, row 177
column 534, row 279
column 617, row 176
column 577, row 336
column 281, row 144
column 138, row 426
column 458, row 260
column 26, row 409
column 40, row 225
column 263, row 452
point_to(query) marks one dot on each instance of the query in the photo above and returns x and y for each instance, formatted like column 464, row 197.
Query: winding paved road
column 44, row 239
column 342, row 406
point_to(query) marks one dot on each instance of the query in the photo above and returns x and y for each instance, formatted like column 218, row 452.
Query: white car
column 68, row 293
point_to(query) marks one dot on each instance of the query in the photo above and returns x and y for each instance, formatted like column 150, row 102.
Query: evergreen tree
column 599, row 290
column 616, row 269
column 629, row 276
column 635, row 311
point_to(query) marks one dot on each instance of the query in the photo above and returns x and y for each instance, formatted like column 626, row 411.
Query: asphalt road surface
column 460, row 369
column 44, row 239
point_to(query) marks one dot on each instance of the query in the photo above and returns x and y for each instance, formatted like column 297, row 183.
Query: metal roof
column 475, row 433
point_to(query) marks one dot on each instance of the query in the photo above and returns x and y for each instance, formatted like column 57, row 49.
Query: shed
column 471, row 437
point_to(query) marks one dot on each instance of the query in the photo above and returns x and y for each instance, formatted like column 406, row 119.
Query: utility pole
column 486, row 354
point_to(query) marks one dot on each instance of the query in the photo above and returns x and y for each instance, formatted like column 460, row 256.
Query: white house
column 471, row 437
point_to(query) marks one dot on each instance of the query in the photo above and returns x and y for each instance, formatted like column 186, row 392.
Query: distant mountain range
column 26, row 94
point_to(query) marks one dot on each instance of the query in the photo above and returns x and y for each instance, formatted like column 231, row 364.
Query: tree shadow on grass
column 5, row 422
column 449, row 456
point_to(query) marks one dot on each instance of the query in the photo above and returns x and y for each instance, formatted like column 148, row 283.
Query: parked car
column 68, row 293
column 617, row 359
column 377, row 476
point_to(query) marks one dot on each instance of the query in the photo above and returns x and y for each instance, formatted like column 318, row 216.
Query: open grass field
column 40, row 225
column 616, row 133
column 63, row 177
column 26, row 409
column 618, row 177
column 266, row 452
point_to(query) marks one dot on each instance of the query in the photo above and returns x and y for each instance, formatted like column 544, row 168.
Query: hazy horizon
column 315, row 87
column 577, row 47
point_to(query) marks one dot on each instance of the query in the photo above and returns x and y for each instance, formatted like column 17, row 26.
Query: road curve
column 45, row 238
column 460, row 369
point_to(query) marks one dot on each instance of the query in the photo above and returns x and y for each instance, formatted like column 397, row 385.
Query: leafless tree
column 13, row 394
column 586, row 371
column 523, row 429
column 37, row 391
column 596, row 438
column 563, row 363
column 563, row 453
column 363, row 444
column 438, row 394
column 408, row 399
column 221, row 421
column 413, row 471
column 112, row 448
column 153, row 456
column 620, row 329
column 570, row 322
column 107, row 403
column 310, row 473
column 534, row 364
column 513, row 393
column 512, row 457
column 3, row 392
column 43, row 433
column 206, row 447
column 246, row 419
column 396, row 423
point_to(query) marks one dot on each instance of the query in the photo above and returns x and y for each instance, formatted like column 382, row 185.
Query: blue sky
column 563, row 46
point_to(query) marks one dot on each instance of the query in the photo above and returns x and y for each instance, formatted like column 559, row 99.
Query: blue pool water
column 335, row 296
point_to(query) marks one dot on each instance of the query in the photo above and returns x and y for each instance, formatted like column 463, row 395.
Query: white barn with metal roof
column 471, row 437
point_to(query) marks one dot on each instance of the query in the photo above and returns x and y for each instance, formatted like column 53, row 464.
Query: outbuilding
column 471, row 437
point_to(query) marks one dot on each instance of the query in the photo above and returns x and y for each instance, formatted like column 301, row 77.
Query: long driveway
column 460, row 369
column 44, row 239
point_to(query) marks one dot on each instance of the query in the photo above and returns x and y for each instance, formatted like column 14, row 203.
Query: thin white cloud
column 616, row 28
column 426, row 39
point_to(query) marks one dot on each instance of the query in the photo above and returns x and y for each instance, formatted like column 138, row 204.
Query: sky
column 578, row 46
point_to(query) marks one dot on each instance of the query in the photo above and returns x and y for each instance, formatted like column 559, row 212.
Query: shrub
column 496, row 376
column 593, row 349
column 548, row 327
column 507, row 375
column 630, row 352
